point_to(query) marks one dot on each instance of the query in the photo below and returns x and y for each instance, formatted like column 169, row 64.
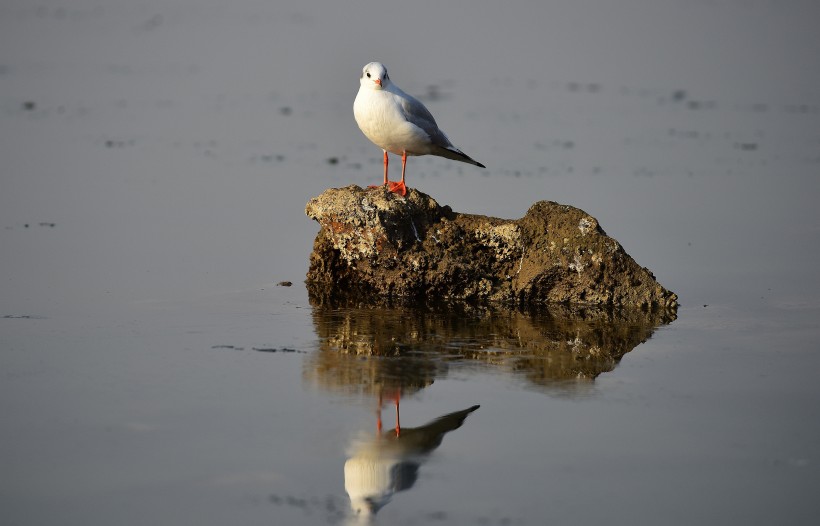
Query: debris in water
column 275, row 349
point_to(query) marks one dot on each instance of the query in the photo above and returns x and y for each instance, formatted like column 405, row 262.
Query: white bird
column 377, row 469
column 398, row 123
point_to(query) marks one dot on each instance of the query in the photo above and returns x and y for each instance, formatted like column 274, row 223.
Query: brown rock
column 376, row 242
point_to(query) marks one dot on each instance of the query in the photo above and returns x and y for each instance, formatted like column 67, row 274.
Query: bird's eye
column 368, row 75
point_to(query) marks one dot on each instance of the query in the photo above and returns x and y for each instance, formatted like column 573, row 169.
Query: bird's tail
column 457, row 155
column 452, row 421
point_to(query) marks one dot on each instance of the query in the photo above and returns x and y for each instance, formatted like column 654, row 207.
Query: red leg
column 399, row 187
column 385, row 172
column 385, row 167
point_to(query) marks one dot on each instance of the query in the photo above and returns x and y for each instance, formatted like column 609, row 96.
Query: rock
column 374, row 242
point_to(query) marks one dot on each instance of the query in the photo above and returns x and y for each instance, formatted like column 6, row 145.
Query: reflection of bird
column 398, row 123
column 390, row 463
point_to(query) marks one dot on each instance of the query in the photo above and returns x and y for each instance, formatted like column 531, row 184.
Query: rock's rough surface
column 376, row 242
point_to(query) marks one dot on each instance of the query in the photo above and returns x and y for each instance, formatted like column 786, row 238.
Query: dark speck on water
column 582, row 87
column 259, row 349
column 152, row 23
column 277, row 349
column 284, row 284
column 29, row 105
column 701, row 105
column 113, row 143
column 269, row 158
column 437, row 516
column 433, row 94
column 746, row 146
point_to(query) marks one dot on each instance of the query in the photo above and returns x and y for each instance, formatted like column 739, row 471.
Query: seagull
column 378, row 469
column 398, row 123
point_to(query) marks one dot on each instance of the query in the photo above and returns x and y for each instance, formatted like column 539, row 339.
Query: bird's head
column 374, row 76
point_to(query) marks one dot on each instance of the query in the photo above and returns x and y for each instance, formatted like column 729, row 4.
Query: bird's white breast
column 380, row 118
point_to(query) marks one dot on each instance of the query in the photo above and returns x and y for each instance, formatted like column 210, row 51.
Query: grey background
column 173, row 146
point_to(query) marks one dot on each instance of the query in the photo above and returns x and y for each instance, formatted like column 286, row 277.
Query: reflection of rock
column 555, row 346
column 376, row 242
column 354, row 343
column 379, row 468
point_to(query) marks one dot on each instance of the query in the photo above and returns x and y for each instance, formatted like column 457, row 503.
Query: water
column 157, row 158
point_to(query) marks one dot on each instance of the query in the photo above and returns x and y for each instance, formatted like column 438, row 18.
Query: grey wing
column 416, row 113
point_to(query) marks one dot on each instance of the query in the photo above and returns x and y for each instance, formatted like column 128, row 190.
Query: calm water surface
column 156, row 160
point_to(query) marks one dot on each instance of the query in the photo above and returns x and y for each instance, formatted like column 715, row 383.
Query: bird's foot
column 392, row 186
column 397, row 187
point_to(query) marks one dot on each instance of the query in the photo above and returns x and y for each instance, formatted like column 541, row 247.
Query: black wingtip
column 457, row 155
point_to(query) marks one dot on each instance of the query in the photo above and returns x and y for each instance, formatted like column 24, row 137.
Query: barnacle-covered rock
column 373, row 241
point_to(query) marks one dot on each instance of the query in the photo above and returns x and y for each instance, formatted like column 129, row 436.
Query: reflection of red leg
column 398, row 422
column 395, row 396
column 379, row 416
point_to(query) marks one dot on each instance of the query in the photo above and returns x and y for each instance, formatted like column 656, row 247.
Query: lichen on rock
column 376, row 242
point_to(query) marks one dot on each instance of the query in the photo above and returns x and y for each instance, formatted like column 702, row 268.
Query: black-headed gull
column 397, row 123
column 378, row 469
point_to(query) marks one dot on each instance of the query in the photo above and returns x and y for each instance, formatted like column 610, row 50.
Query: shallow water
column 157, row 158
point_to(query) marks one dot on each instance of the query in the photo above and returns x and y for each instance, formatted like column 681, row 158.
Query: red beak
column 378, row 81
